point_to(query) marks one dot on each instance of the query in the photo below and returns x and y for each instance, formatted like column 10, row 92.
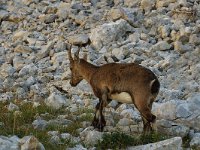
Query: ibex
column 125, row 83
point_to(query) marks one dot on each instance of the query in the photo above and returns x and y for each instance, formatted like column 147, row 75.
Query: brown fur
column 141, row 83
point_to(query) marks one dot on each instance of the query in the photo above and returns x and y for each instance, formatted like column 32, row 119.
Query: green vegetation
column 118, row 140
column 20, row 122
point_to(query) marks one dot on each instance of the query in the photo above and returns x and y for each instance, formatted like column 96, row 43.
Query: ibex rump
column 126, row 83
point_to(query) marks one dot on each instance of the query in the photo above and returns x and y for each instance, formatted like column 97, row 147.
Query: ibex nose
column 71, row 83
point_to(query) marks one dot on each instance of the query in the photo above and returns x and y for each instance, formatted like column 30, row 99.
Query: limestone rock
column 22, row 49
column 147, row 5
column 18, row 62
column 195, row 142
column 4, row 14
column 173, row 143
column 181, row 48
column 109, row 32
column 12, row 107
column 56, row 101
column 91, row 137
column 45, row 50
column 30, row 143
column 79, row 39
column 7, row 70
column 39, row 124
column 63, row 10
column 20, row 35
column 171, row 128
column 162, row 110
column 161, row 45
column 28, row 69
column 9, row 143
column 49, row 18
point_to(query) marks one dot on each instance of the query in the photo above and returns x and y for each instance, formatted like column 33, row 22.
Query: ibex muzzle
column 126, row 83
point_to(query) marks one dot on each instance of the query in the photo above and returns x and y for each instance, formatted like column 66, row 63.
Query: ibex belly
column 122, row 97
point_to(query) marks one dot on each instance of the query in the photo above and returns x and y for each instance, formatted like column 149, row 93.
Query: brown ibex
column 126, row 83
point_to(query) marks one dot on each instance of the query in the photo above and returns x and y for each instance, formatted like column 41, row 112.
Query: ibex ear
column 85, row 57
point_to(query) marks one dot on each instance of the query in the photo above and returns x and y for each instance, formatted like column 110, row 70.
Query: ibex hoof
column 153, row 119
column 99, row 125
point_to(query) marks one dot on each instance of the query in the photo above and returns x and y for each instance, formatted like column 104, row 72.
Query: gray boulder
column 195, row 142
column 90, row 137
column 109, row 32
column 169, row 144
column 56, row 100
column 9, row 143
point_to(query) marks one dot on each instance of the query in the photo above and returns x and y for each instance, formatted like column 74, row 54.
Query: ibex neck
column 87, row 70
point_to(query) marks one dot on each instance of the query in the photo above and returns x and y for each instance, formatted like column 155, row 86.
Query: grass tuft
column 118, row 140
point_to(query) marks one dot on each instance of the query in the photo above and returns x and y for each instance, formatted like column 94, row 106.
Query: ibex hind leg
column 144, row 108
column 148, row 119
column 147, row 128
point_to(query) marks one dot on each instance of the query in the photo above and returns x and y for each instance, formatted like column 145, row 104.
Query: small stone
column 28, row 2
column 194, row 39
column 23, row 49
column 20, row 35
column 39, row 124
column 171, row 128
column 12, row 107
column 183, row 111
column 49, row 18
column 30, row 81
column 130, row 113
column 161, row 46
column 30, row 142
column 178, row 46
column 21, row 93
column 115, row 14
column 120, row 53
column 18, row 62
column 164, row 31
column 78, row 39
column 3, row 15
column 63, row 10
column 161, row 110
column 125, row 122
column 77, row 147
column 56, row 101
column 7, row 70
column 131, row 3
column 147, row 5
column 28, row 69
column 55, row 139
column 9, row 143
column 195, row 142
column 92, row 137
column 45, row 50
column 66, row 136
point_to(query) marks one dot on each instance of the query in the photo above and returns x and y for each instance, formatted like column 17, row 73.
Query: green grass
column 118, row 140
column 20, row 123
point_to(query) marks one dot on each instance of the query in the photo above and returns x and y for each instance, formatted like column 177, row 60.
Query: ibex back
column 126, row 83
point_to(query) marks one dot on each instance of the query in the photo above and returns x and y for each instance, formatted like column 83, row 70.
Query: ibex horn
column 70, row 54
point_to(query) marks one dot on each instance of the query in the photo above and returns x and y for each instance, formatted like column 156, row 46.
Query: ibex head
column 76, row 76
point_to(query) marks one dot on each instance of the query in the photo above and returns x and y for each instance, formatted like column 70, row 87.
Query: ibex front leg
column 99, row 120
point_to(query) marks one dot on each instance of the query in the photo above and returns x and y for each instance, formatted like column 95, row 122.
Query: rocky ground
column 162, row 35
